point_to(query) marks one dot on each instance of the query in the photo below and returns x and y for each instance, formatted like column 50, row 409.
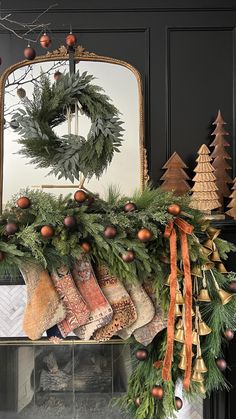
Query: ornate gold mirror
column 120, row 81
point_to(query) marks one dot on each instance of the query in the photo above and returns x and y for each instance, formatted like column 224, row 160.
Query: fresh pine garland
column 69, row 155
column 151, row 261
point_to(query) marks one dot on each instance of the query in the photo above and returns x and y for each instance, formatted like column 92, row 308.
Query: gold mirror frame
column 80, row 54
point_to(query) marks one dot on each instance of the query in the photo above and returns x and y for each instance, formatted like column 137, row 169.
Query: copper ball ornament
column 85, row 246
column 144, row 235
column 23, row 202
column 128, row 257
column 11, row 228
column 47, row 232
column 130, row 207
column 45, row 41
column 71, row 40
column 221, row 364
column 110, row 232
column 158, row 392
column 232, row 286
column 29, row 53
column 138, row 402
column 69, row 221
column 229, row 334
column 2, row 256
column 174, row 209
column 80, row 196
column 57, row 75
column 178, row 403
column 21, row 93
column 141, row 354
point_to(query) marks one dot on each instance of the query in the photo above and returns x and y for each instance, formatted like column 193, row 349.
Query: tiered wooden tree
column 174, row 179
column 204, row 197
column 220, row 157
column 232, row 205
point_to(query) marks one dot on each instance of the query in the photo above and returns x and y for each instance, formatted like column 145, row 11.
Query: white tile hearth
column 12, row 303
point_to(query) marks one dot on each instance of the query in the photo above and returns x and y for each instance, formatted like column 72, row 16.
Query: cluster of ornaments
column 45, row 42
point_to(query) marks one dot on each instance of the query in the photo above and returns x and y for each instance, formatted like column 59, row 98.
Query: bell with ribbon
column 224, row 296
column 195, row 337
column 199, row 365
column 179, row 298
column 183, row 364
column 178, row 312
column 204, row 296
column 204, row 329
column 202, row 389
column 179, row 335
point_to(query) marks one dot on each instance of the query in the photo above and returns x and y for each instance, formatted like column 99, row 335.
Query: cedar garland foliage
column 71, row 154
column 151, row 261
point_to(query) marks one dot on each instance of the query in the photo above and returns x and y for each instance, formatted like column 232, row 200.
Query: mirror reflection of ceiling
column 120, row 84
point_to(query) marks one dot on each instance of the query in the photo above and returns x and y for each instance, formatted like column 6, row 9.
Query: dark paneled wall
column 185, row 52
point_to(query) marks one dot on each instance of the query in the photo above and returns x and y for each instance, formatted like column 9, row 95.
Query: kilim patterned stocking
column 124, row 313
column 146, row 334
column 100, row 310
column 44, row 308
column 76, row 308
column 144, row 308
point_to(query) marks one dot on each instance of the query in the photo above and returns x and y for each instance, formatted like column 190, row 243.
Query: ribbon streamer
column 170, row 232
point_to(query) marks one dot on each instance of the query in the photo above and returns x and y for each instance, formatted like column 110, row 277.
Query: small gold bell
column 221, row 268
column 182, row 365
column 224, row 296
column 197, row 377
column 179, row 324
column 199, row 365
column 209, row 265
column 183, row 351
column 202, row 389
column 196, row 271
column 168, row 281
column 204, row 329
column 179, row 297
column 195, row 337
column 208, row 244
column 179, row 335
column 215, row 256
column 178, row 312
column 204, row 296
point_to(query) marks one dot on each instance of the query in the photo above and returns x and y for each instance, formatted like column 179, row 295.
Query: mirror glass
column 120, row 84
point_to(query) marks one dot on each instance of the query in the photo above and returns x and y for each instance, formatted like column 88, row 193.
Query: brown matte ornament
column 138, row 402
column 57, row 75
column 21, row 93
column 141, row 354
column 29, row 53
column 144, row 235
column 85, row 246
column 47, row 232
column 232, row 204
column 80, row 196
column 11, row 228
column 45, row 41
column 110, row 232
column 71, row 40
column 69, row 221
column 128, row 257
column 174, row 209
column 229, row 334
column 204, row 192
column 23, row 202
column 221, row 364
column 174, row 179
column 157, row 392
column 232, row 286
column 178, row 403
column 220, row 157
column 2, row 256
column 130, row 207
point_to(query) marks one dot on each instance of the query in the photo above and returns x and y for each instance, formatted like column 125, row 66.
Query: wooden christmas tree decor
column 174, row 179
column 220, row 157
column 204, row 197
column 232, row 205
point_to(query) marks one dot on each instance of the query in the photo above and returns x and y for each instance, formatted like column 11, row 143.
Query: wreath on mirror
column 52, row 104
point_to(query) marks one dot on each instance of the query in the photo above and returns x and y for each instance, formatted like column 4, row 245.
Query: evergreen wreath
column 69, row 155
column 148, row 395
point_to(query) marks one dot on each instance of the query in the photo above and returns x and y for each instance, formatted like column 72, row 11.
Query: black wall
column 185, row 52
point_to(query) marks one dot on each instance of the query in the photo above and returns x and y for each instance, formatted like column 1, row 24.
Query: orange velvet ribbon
column 170, row 232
